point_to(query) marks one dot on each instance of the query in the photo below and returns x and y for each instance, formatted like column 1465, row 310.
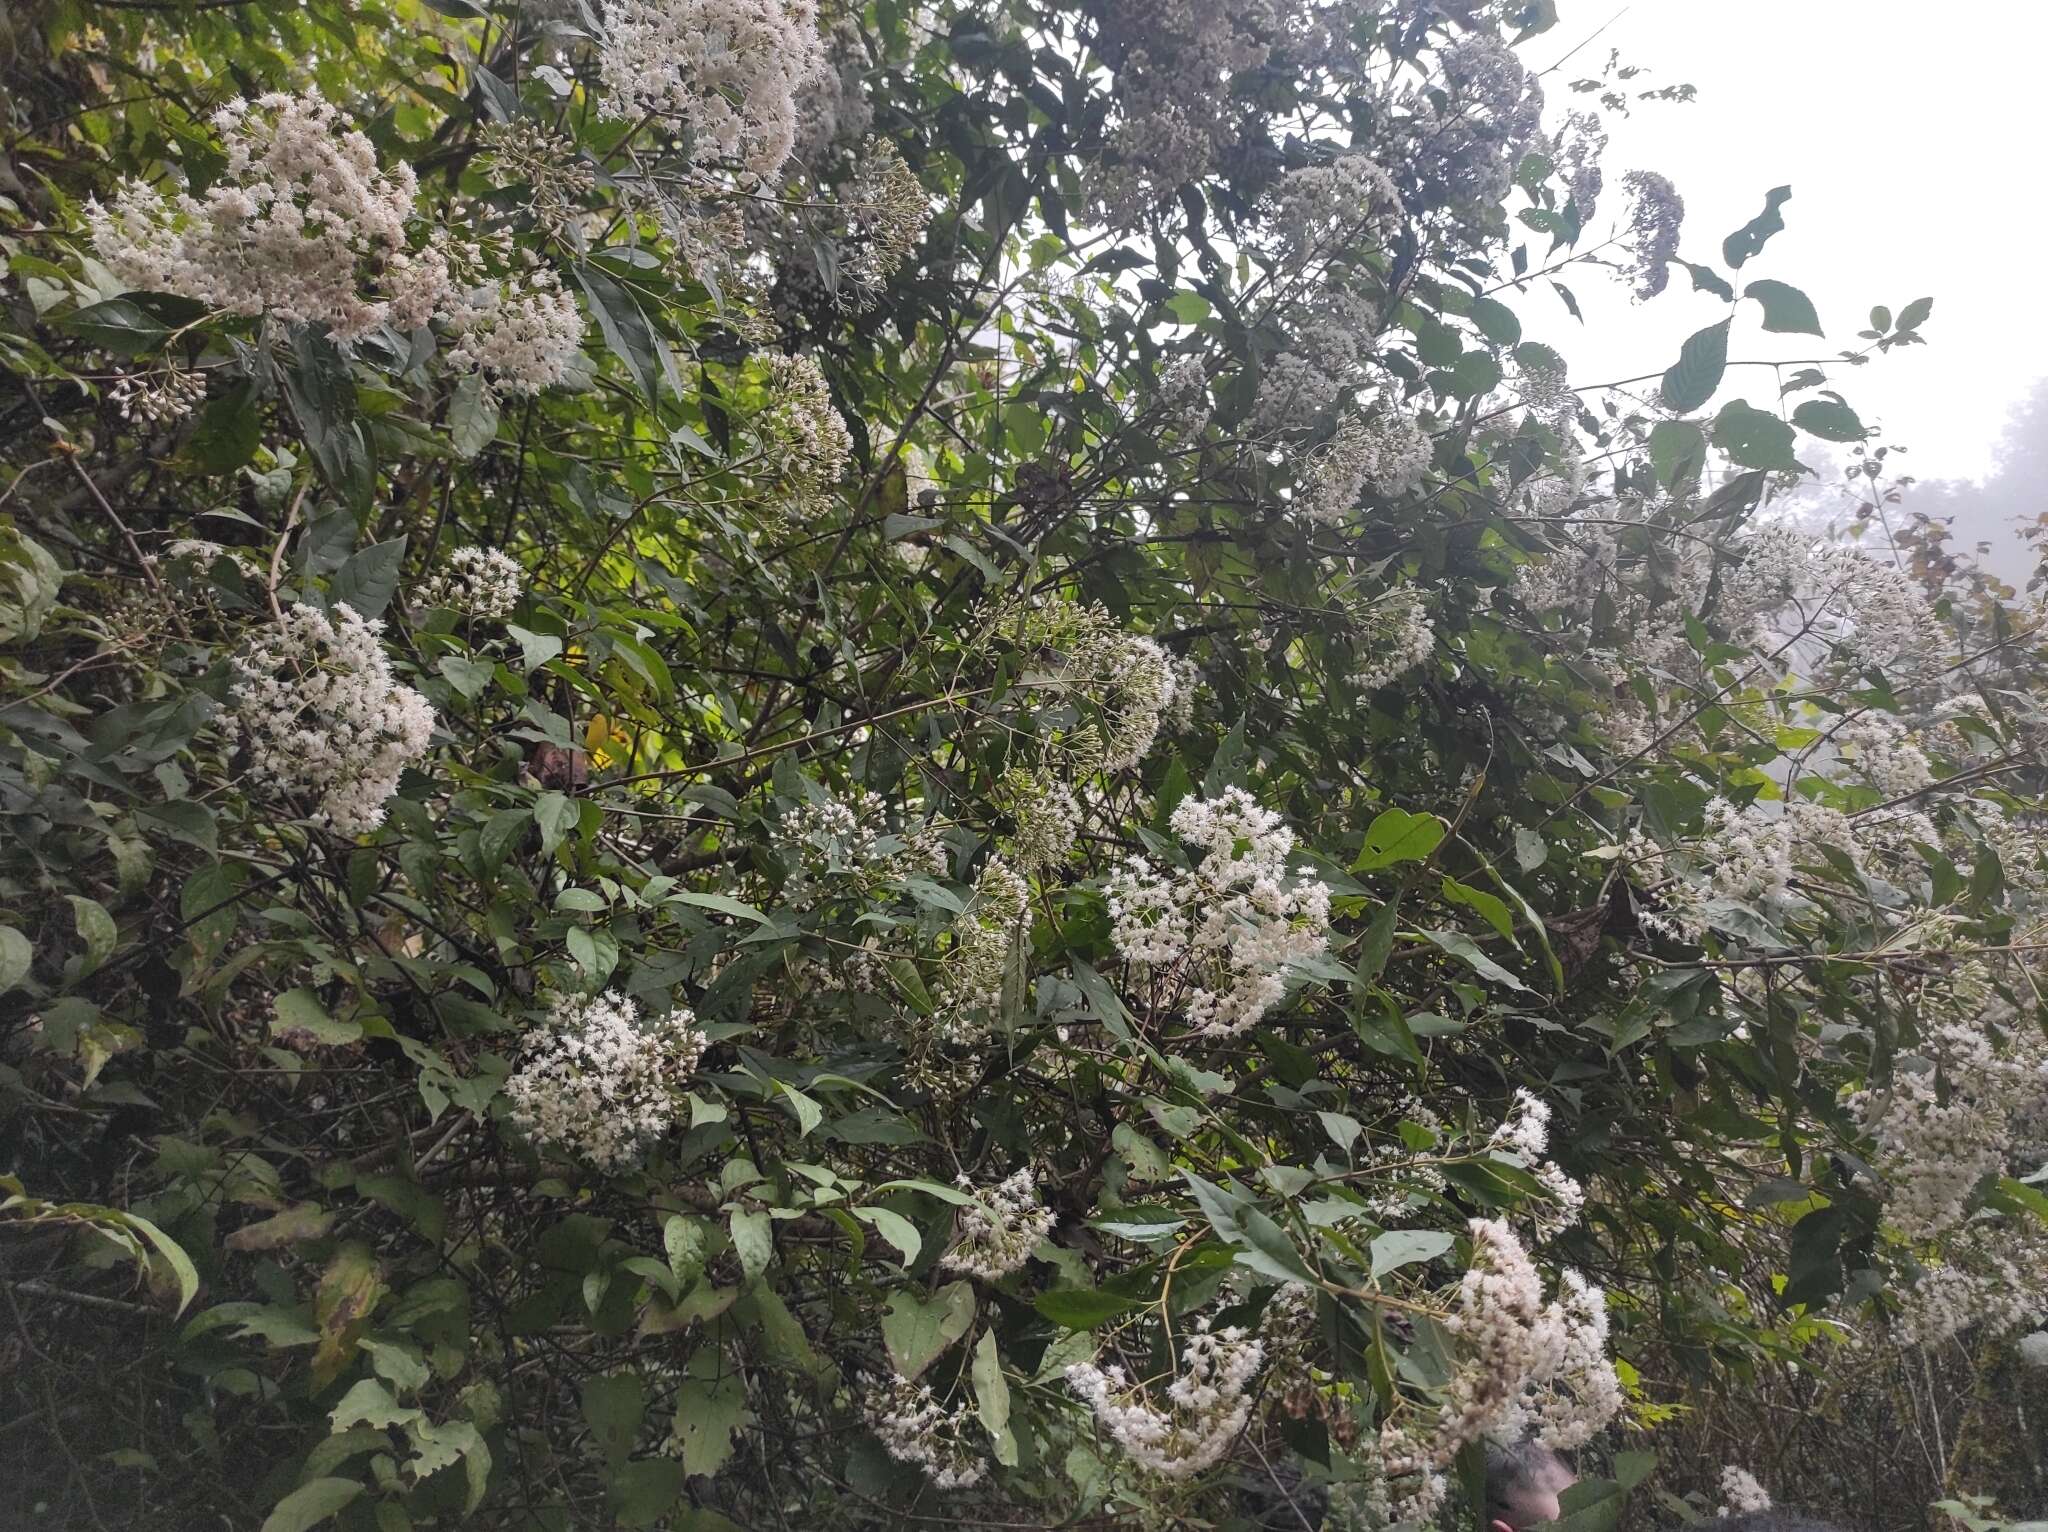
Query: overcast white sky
column 1910, row 137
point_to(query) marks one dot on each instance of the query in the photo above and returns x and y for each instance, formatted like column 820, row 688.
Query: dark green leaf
column 1750, row 238
column 1678, row 451
column 1787, row 310
column 1829, row 419
column 367, row 582
column 1702, row 360
column 1753, row 438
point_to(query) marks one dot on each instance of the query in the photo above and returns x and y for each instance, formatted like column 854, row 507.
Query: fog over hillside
column 1992, row 511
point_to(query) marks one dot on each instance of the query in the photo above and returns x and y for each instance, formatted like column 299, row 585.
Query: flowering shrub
column 773, row 768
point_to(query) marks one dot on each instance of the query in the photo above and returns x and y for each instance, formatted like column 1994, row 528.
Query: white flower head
column 315, row 701
column 478, row 582
column 598, row 1081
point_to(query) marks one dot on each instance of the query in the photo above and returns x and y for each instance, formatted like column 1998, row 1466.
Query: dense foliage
column 769, row 768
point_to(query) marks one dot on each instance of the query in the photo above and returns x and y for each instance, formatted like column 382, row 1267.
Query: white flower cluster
column 1173, row 91
column 523, row 153
column 1740, row 1493
column 1335, row 327
column 1943, row 1127
column 799, row 432
column 1881, row 748
column 1133, row 683
column 1047, row 816
column 886, row 209
column 1746, row 857
column 1322, row 209
column 1208, row 1403
column 2033, row 1349
column 1398, row 637
column 985, row 936
column 1872, row 612
column 596, row 1080
column 1656, row 212
column 158, row 398
column 523, row 332
column 1389, row 452
column 915, row 1428
column 479, row 582
column 300, row 225
column 1581, row 142
column 835, row 115
column 1184, row 393
column 1524, row 1364
column 1525, row 1131
column 1218, row 938
column 1988, row 1281
column 1525, row 1134
column 1470, row 136
column 844, row 842
column 730, row 70
column 316, row 703
column 1000, row 1229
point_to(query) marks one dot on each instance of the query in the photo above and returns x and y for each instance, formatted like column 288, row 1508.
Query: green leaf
column 310, row 1504
column 916, row 1329
column 1702, row 360
column 1754, row 438
column 708, row 1412
column 295, row 1225
column 1595, row 1505
column 1407, row 1247
column 1268, row 1250
column 369, row 1403
column 1496, row 321
column 1830, row 420
column 1398, row 836
column 1378, row 944
column 613, row 1406
column 300, row 1010
column 992, row 1395
column 1914, row 314
column 625, row 328
column 468, row 677
column 1467, row 951
column 30, row 582
column 1707, row 280
column 682, row 1240
column 896, row 1229
column 725, row 904
column 182, row 1270
column 1437, row 343
column 367, row 582
column 15, row 957
column 1678, row 451
column 1530, row 851
column 1189, row 308
column 119, row 325
column 184, row 820
column 1083, row 1308
column 472, row 416
column 1751, row 237
column 1813, row 1264
column 646, row 1491
column 753, row 1241
column 535, row 649
column 96, row 929
column 556, row 814
column 1492, row 909
column 1787, row 310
